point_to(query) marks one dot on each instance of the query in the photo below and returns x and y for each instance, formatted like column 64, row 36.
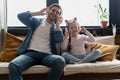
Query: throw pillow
column 108, row 51
column 10, row 46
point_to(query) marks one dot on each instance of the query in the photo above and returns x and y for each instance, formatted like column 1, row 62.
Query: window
column 16, row 6
column 2, row 14
column 84, row 10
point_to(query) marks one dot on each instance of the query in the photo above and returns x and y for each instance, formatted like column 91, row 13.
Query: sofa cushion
column 98, row 67
column 10, row 46
column 108, row 51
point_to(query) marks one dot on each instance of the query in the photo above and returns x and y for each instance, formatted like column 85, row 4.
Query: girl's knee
column 98, row 51
column 65, row 54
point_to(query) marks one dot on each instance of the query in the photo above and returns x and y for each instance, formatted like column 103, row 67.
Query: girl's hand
column 66, row 34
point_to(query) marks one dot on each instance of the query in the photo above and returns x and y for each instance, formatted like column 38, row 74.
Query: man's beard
column 52, row 19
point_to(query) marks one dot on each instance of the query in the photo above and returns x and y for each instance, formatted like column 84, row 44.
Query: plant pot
column 104, row 24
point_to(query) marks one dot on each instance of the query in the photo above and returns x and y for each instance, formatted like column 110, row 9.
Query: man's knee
column 60, row 62
column 13, row 66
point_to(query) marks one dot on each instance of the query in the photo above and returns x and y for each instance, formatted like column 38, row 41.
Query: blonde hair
column 74, row 20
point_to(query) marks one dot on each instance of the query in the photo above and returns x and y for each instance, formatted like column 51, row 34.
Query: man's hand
column 44, row 11
column 58, row 22
column 41, row 12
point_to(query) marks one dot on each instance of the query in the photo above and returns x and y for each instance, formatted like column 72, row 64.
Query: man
column 39, row 47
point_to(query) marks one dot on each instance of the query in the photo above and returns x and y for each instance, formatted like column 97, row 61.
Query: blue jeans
column 31, row 58
column 92, row 56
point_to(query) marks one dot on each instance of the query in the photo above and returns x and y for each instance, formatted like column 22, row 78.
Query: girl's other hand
column 66, row 34
column 83, row 30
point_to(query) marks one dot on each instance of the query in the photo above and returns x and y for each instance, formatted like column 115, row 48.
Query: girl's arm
column 64, row 44
column 89, row 37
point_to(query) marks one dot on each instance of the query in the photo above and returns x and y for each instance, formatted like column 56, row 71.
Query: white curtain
column 3, row 20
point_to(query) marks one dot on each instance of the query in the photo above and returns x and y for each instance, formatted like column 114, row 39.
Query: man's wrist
column 35, row 13
column 57, row 27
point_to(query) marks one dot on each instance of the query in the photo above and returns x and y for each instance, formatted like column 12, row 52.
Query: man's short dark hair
column 57, row 5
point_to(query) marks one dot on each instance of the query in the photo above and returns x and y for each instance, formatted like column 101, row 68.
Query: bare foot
column 79, row 62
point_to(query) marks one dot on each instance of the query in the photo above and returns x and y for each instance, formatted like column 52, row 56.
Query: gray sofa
column 88, row 71
column 91, row 71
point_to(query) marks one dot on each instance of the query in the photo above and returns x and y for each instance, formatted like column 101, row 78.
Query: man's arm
column 27, row 19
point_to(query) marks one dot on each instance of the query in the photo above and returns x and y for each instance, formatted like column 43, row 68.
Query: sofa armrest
column 105, row 39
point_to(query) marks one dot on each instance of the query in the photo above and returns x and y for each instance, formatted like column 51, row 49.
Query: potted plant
column 103, row 15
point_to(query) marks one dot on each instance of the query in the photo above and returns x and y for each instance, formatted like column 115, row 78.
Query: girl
column 74, row 43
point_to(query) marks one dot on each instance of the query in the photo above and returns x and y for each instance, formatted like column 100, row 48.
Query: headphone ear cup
column 78, row 28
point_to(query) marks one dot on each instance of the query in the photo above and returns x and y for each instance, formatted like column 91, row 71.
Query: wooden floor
column 102, row 76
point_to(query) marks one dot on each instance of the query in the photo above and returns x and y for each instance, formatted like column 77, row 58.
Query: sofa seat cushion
column 35, row 69
column 98, row 67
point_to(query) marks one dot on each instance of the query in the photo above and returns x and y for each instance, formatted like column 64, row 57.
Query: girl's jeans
column 92, row 56
column 31, row 58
